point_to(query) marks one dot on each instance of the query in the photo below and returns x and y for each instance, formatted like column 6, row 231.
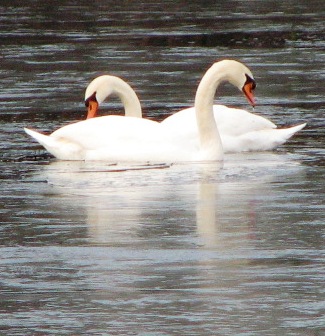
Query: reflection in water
column 119, row 199
column 158, row 247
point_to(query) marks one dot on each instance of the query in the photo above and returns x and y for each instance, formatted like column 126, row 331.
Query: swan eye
column 91, row 98
column 251, row 82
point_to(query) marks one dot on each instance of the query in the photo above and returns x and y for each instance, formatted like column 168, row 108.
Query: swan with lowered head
column 117, row 138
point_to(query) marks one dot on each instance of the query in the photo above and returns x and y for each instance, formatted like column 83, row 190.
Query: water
column 195, row 249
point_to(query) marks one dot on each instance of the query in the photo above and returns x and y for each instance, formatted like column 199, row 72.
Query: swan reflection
column 149, row 202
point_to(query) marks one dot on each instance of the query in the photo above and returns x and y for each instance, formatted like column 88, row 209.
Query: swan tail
column 262, row 140
column 279, row 136
column 60, row 148
column 292, row 130
column 284, row 134
column 42, row 139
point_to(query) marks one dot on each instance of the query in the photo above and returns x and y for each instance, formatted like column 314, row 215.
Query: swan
column 240, row 130
column 106, row 85
column 118, row 138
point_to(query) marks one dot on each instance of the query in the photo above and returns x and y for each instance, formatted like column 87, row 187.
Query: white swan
column 104, row 86
column 117, row 138
column 240, row 130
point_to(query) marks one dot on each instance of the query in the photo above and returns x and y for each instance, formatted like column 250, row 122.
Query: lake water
column 184, row 249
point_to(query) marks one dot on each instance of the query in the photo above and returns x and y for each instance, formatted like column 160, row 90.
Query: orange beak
column 92, row 109
column 248, row 91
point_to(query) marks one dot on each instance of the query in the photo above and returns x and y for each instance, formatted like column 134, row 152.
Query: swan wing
column 235, row 122
column 230, row 121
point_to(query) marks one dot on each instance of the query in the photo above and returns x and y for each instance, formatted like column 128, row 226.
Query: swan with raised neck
column 230, row 71
column 104, row 86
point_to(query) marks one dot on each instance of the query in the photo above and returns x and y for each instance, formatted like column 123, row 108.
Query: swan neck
column 129, row 100
column 210, row 140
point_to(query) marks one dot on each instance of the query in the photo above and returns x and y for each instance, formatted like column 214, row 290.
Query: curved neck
column 211, row 145
column 128, row 97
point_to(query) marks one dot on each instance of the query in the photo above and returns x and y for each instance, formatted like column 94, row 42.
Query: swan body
column 240, row 130
column 111, row 138
column 117, row 138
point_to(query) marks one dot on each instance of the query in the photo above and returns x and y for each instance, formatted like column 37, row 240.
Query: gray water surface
column 185, row 249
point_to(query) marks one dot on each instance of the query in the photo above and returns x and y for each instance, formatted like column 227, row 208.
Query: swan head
column 97, row 91
column 238, row 75
column 92, row 106
column 103, row 86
